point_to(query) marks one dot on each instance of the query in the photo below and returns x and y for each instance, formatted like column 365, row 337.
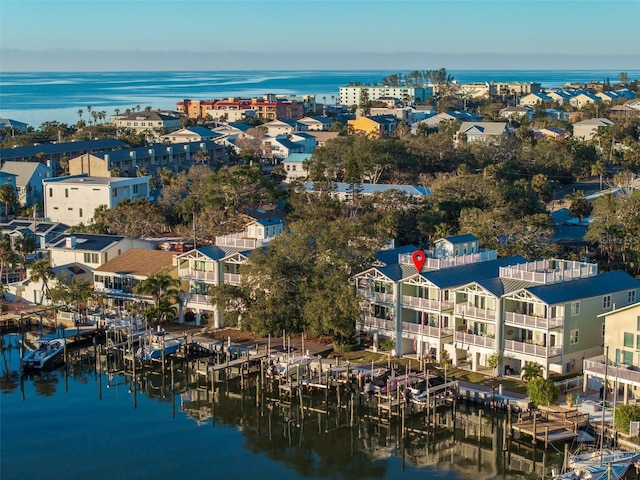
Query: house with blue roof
column 545, row 312
column 583, row 98
column 295, row 166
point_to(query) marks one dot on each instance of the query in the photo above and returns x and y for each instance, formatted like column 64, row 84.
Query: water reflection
column 345, row 438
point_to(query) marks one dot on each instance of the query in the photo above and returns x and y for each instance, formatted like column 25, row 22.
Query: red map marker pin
column 418, row 258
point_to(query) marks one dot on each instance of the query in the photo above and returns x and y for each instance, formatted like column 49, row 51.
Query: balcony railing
column 470, row 311
column 199, row 299
column 477, row 340
column 376, row 297
column 232, row 278
column 531, row 349
column 190, row 274
column 432, row 263
column 371, row 323
column 241, row 240
column 531, row 321
column 549, row 271
column 426, row 330
column 426, row 303
column 596, row 368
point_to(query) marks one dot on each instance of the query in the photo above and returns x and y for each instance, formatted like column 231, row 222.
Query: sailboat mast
column 604, row 400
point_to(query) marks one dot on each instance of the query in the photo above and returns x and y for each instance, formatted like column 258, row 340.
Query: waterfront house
column 29, row 176
column 620, row 361
column 74, row 199
column 116, row 278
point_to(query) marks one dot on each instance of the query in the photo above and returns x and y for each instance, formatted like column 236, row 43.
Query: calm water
column 81, row 423
column 37, row 97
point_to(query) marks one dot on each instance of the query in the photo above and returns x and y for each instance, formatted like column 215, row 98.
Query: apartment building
column 353, row 95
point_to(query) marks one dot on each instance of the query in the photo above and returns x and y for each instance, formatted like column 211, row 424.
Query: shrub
column 387, row 345
column 542, row 391
column 625, row 414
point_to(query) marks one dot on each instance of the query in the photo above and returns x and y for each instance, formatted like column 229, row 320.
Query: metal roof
column 461, row 275
column 86, row 241
column 603, row 284
column 60, row 148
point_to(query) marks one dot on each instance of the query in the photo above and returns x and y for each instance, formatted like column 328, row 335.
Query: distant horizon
column 16, row 60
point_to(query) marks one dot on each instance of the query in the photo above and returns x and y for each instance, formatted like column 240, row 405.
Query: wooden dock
column 551, row 424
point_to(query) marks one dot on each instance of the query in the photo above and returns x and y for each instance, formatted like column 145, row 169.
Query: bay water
column 80, row 421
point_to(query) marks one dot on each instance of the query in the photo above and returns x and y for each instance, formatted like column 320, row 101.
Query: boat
column 290, row 366
column 596, row 472
column 48, row 354
column 603, row 457
column 155, row 344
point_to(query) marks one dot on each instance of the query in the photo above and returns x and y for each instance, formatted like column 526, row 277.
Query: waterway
column 88, row 420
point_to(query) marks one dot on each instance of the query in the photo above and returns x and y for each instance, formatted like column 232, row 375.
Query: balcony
column 531, row 349
column 190, row 274
column 232, row 278
column 622, row 373
column 199, row 299
column 426, row 303
column 469, row 311
column 374, row 323
column 531, row 321
column 376, row 297
column 475, row 340
column 432, row 263
column 425, row 330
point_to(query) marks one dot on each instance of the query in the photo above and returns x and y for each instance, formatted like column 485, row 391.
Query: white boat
column 154, row 344
column 603, row 457
column 596, row 472
column 46, row 355
column 290, row 366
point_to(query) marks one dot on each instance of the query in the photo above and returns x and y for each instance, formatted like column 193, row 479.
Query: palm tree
column 41, row 271
column 7, row 255
column 531, row 370
column 163, row 288
column 89, row 108
column 80, row 114
column 201, row 156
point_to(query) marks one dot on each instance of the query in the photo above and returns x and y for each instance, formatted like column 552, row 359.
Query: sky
column 42, row 35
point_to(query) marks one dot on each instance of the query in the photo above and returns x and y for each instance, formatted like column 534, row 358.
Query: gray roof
column 457, row 276
column 24, row 170
column 20, row 224
column 144, row 115
column 371, row 188
column 86, row 241
column 502, row 286
column 604, row 284
column 215, row 252
column 390, row 256
column 61, row 148
column 485, row 128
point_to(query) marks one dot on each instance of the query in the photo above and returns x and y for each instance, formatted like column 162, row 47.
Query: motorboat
column 290, row 366
column 48, row 354
column 155, row 344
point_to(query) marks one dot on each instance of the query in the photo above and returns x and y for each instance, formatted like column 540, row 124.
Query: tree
column 623, row 77
column 163, row 289
column 624, row 415
column 578, row 204
column 494, row 361
column 41, row 272
column 530, row 371
column 8, row 258
column 8, row 197
column 542, row 391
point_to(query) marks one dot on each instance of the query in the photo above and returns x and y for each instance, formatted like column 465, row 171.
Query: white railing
column 232, row 278
column 531, row 349
column 549, row 271
column 477, row 340
column 426, row 303
column 199, row 299
column 432, row 263
column 425, row 330
column 470, row 311
column 378, row 324
column 597, row 368
column 531, row 321
column 377, row 297
column 240, row 240
column 189, row 273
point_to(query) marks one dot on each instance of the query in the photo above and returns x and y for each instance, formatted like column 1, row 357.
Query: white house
column 191, row 134
column 586, row 129
column 294, row 166
column 73, row 200
column 483, row 131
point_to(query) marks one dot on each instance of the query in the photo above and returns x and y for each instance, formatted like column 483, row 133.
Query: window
column 66, row 193
column 627, row 357
column 628, row 340
column 574, row 337
column 606, row 301
column 135, row 188
column 631, row 298
column 114, row 192
column 575, row 309
column 637, row 342
column 51, row 192
column 603, row 329
column 80, row 212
